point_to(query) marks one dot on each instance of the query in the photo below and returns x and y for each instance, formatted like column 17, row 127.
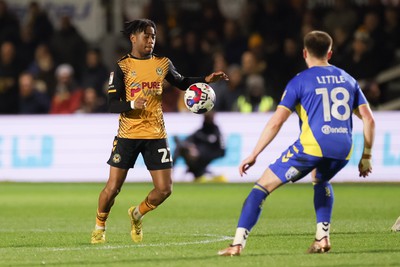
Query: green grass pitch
column 49, row 224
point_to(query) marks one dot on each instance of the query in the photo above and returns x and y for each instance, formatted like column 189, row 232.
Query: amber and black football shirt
column 133, row 78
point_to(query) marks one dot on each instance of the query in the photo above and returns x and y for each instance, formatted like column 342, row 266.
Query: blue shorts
column 293, row 165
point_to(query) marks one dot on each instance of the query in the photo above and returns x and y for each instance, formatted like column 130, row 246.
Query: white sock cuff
column 323, row 229
column 241, row 236
column 136, row 213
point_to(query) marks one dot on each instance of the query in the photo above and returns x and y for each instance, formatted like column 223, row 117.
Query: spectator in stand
column 379, row 45
column 68, row 46
column 176, row 44
column 254, row 98
column 360, row 62
column 309, row 22
column 377, row 6
column 43, row 70
column 295, row 11
column 373, row 92
column 25, row 47
column 92, row 102
column 234, row 42
column 31, row 100
column 391, row 27
column 68, row 96
column 95, row 74
column 252, row 64
column 341, row 46
column 211, row 17
column 271, row 21
column 9, row 24
column 341, row 15
column 9, row 71
column 38, row 23
column 256, row 45
column 290, row 64
column 194, row 55
column 236, row 10
column 227, row 96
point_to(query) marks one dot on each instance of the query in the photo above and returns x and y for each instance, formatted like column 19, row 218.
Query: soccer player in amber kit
column 324, row 97
column 135, row 90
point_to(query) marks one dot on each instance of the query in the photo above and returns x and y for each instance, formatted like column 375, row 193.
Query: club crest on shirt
column 116, row 158
column 159, row 71
column 133, row 73
column 292, row 174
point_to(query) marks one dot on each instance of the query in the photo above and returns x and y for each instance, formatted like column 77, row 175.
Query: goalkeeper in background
column 134, row 91
column 324, row 97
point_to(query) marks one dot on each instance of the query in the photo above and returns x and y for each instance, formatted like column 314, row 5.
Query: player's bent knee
column 164, row 193
column 112, row 191
column 269, row 181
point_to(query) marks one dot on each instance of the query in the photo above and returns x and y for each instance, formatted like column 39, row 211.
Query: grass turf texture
column 50, row 224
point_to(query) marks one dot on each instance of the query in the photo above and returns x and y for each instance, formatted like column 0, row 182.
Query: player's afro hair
column 138, row 25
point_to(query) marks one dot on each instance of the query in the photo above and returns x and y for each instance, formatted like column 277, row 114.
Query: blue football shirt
column 324, row 98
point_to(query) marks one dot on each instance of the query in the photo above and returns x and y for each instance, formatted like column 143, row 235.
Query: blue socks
column 323, row 201
column 252, row 207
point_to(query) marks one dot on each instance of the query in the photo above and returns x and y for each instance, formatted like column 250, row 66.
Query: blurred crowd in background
column 54, row 69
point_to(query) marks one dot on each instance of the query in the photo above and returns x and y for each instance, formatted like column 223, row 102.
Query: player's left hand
column 216, row 76
column 364, row 167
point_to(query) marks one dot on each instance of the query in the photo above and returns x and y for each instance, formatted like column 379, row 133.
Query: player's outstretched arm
column 271, row 129
column 216, row 76
column 365, row 164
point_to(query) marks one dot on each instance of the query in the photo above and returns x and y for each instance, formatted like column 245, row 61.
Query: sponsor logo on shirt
column 326, row 129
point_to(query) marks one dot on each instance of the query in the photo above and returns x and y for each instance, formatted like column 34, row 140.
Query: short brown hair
column 318, row 43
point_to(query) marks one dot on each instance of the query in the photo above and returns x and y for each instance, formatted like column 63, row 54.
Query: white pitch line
column 108, row 247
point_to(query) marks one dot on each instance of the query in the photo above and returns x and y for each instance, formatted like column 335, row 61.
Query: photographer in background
column 200, row 148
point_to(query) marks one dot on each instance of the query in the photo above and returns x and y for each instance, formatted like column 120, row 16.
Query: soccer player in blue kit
column 324, row 97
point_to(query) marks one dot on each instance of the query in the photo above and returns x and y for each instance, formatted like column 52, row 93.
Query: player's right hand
column 365, row 167
column 140, row 103
column 246, row 164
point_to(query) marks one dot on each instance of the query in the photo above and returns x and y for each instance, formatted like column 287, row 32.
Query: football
column 199, row 98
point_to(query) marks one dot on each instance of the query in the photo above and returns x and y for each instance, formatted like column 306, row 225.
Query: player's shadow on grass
column 283, row 234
